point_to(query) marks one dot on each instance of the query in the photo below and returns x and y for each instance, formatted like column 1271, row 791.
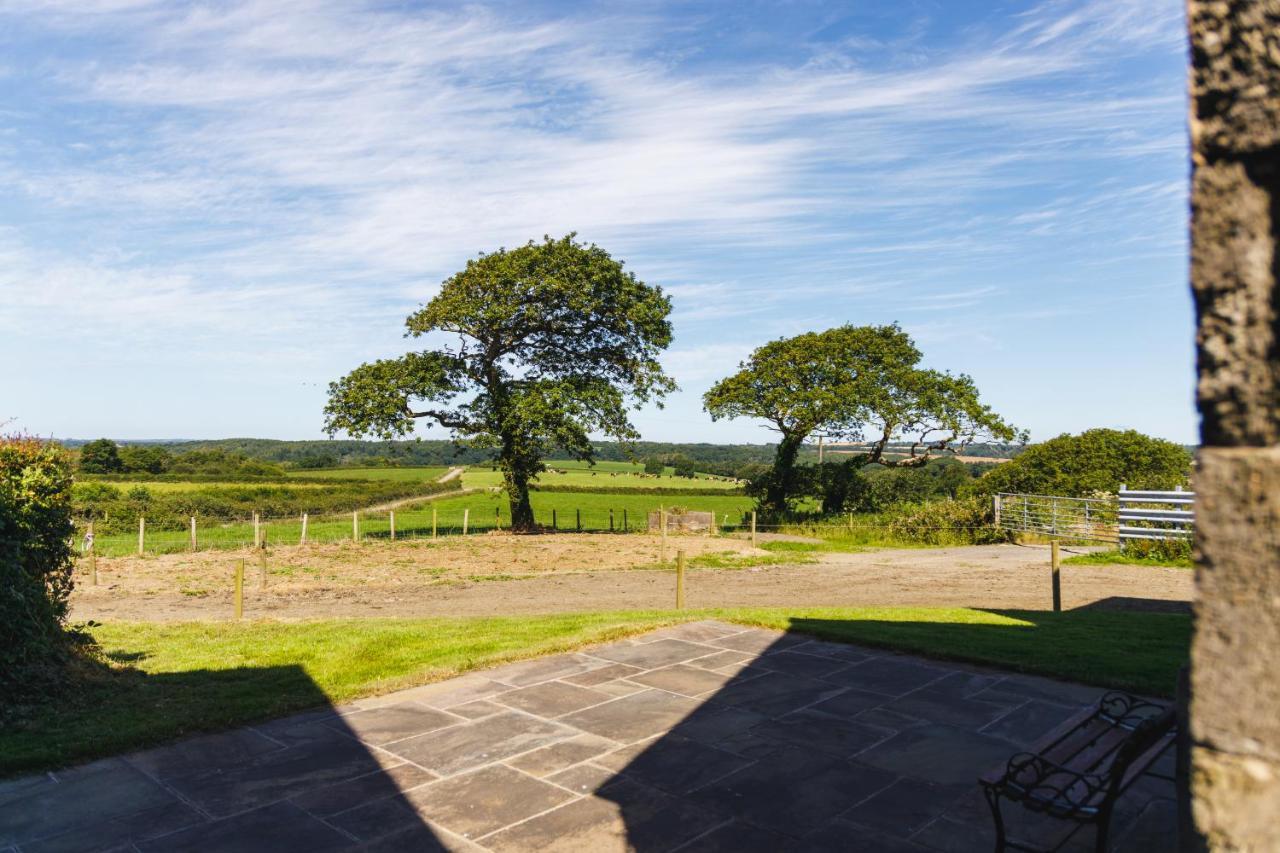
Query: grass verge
column 1120, row 558
column 164, row 680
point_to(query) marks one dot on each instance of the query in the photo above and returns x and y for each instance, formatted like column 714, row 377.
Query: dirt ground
column 500, row 574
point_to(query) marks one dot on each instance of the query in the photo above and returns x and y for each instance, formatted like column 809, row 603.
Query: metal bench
column 1078, row 771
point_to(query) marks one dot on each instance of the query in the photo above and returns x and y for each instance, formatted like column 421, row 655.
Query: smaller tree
column 100, row 456
column 144, row 459
column 654, row 467
column 856, row 383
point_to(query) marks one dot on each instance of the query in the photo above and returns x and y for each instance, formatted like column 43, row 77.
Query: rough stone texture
column 1235, row 276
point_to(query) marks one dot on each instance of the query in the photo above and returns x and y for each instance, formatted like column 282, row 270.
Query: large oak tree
column 539, row 347
column 853, row 383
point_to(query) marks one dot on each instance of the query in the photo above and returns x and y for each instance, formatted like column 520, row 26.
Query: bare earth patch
column 502, row 574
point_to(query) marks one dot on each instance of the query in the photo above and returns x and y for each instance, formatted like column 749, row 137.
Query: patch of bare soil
column 502, row 574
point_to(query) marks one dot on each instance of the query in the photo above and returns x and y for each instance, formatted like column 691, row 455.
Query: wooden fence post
column 302, row 540
column 995, row 507
column 610, row 519
column 626, row 527
column 93, row 556
column 392, row 519
column 497, row 517
column 239, row 590
column 466, row 518
column 680, row 580
column 753, row 528
column 662, row 527
column 193, row 534
column 355, row 526
column 578, row 514
column 257, row 536
column 711, row 528
column 1057, row 576
column 142, row 534
column 262, row 567
column 553, row 519
column 433, row 522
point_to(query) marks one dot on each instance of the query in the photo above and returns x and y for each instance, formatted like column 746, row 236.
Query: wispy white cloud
column 257, row 166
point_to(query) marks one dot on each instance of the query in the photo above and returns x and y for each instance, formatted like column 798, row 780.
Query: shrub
column 966, row 521
column 1172, row 550
column 35, row 564
column 1098, row 460
column 100, row 457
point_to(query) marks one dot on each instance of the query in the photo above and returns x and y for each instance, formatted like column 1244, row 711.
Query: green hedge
column 35, row 565
column 635, row 490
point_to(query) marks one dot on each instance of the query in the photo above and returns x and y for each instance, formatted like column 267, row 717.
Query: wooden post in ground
column 680, row 580
column 355, row 526
column 497, row 518
column 93, row 556
column 238, row 595
column 850, row 522
column 626, row 528
column 1055, row 565
column 611, row 520
column 433, row 522
column 553, row 519
column 193, row 534
column 302, row 540
column 662, row 529
column 578, row 514
column 392, row 519
column 995, row 506
column 711, row 529
column 466, row 519
column 257, row 536
column 753, row 528
column 262, row 566
column 142, row 534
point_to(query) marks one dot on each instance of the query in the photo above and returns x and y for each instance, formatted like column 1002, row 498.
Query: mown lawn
column 170, row 679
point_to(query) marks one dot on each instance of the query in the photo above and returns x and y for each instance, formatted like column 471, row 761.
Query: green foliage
column 853, row 383
column 654, row 467
column 555, row 342
column 967, row 521
column 100, row 457
column 144, row 459
column 35, row 565
column 1097, row 460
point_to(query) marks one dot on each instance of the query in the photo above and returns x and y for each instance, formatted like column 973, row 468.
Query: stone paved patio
column 705, row 737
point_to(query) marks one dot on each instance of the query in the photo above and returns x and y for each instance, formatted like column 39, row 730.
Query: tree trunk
column 783, row 476
column 517, row 482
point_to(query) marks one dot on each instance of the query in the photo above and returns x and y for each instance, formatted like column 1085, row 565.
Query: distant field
column 167, row 486
column 398, row 474
column 610, row 475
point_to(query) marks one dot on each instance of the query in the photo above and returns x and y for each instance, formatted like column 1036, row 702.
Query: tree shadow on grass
column 307, row 782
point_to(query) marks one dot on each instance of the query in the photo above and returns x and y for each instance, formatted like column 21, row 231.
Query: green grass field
column 419, row 475
column 171, row 486
column 487, row 510
column 609, row 475
column 174, row 679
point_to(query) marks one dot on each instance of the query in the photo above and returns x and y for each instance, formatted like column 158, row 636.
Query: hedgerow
column 35, row 565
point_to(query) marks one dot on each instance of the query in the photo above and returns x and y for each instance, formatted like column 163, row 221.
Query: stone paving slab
column 700, row 737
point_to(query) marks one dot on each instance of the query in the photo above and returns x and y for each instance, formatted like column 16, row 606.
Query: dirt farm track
column 489, row 575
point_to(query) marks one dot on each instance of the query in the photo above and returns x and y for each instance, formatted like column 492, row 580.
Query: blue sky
column 209, row 211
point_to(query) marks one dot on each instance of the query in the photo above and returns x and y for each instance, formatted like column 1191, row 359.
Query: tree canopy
column 539, row 347
column 1097, row 460
column 853, row 383
column 100, row 456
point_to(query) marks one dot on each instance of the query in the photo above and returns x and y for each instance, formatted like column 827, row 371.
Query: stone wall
column 1235, row 675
